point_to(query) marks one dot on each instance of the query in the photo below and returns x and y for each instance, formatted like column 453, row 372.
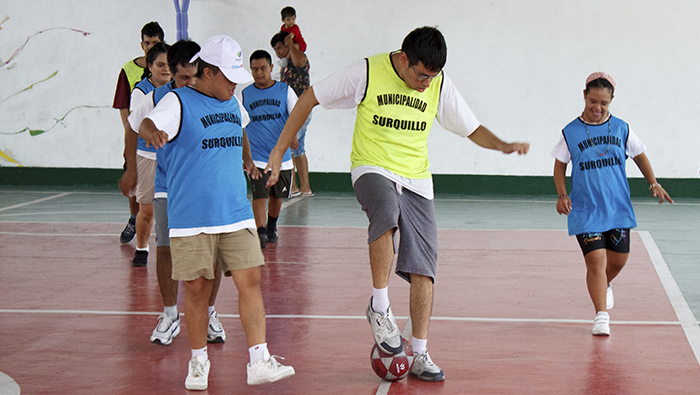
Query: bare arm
column 248, row 164
column 563, row 201
column 154, row 137
column 656, row 189
column 127, row 182
column 298, row 57
column 484, row 138
column 296, row 120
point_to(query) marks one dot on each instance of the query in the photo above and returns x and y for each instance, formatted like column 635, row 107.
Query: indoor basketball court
column 511, row 311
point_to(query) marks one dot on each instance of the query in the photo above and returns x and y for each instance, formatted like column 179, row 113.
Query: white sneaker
column 425, row 369
column 601, row 324
column 198, row 375
column 166, row 330
column 268, row 371
column 609, row 299
column 386, row 332
column 215, row 332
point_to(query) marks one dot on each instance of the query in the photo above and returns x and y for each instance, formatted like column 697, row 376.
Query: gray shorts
column 160, row 214
column 388, row 208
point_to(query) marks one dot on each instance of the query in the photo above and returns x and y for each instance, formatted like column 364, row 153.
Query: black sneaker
column 262, row 234
column 129, row 231
column 272, row 235
column 140, row 259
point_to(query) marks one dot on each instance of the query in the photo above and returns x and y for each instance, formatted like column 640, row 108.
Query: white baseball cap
column 225, row 53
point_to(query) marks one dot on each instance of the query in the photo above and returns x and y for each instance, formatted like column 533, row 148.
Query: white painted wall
column 520, row 64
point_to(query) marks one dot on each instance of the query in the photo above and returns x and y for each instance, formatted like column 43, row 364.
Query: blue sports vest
column 267, row 109
column 600, row 193
column 161, row 161
column 206, row 185
column 146, row 87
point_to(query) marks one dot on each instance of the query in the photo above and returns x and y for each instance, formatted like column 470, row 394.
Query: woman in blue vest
column 156, row 74
column 599, row 209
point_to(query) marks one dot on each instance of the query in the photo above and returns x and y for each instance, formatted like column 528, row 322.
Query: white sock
column 142, row 249
column 419, row 345
column 171, row 311
column 380, row 299
column 211, row 309
column 258, row 351
column 200, row 354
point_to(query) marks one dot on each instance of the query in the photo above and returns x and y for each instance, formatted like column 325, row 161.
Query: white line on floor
column 680, row 305
column 36, row 201
column 351, row 317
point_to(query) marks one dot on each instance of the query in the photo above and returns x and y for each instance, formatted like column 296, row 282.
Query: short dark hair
column 201, row 65
column 426, row 45
column 600, row 83
column 152, row 55
column 278, row 38
column 152, row 29
column 288, row 11
column 261, row 54
column 180, row 54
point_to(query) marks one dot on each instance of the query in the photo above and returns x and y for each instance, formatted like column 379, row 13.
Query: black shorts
column 616, row 240
column 280, row 190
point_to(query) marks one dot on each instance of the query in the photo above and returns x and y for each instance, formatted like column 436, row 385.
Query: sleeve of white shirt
column 291, row 99
column 560, row 151
column 454, row 113
column 140, row 111
column 137, row 96
column 634, row 145
column 166, row 115
column 245, row 118
column 344, row 89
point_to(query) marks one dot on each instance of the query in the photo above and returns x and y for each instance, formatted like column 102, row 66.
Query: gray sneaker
column 166, row 330
column 425, row 369
column 215, row 331
column 386, row 332
column 129, row 232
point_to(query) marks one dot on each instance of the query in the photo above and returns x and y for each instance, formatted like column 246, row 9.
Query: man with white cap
column 208, row 210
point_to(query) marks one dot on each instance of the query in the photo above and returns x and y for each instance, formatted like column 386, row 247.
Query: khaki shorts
column 195, row 256
column 145, row 183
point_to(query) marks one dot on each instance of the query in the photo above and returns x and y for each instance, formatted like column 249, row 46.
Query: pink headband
column 604, row 76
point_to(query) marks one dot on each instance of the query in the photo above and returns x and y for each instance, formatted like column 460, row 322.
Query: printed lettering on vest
column 213, row 119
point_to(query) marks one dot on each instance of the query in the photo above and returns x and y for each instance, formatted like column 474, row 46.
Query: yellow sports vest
column 133, row 73
column 393, row 122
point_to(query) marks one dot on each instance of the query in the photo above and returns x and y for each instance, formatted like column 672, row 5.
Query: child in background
column 289, row 17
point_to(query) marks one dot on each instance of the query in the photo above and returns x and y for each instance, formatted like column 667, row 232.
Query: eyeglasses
column 423, row 77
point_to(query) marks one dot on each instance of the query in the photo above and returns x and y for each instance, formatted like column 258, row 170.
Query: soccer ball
column 392, row 367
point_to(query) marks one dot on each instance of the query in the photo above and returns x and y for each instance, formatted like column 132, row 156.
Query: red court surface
column 511, row 316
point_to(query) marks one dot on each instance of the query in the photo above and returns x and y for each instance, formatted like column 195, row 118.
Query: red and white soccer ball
column 392, row 367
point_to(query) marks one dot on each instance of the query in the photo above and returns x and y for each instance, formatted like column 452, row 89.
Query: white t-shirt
column 633, row 148
column 346, row 89
column 138, row 99
column 139, row 112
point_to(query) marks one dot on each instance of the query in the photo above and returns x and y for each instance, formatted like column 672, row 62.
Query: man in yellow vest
column 397, row 95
